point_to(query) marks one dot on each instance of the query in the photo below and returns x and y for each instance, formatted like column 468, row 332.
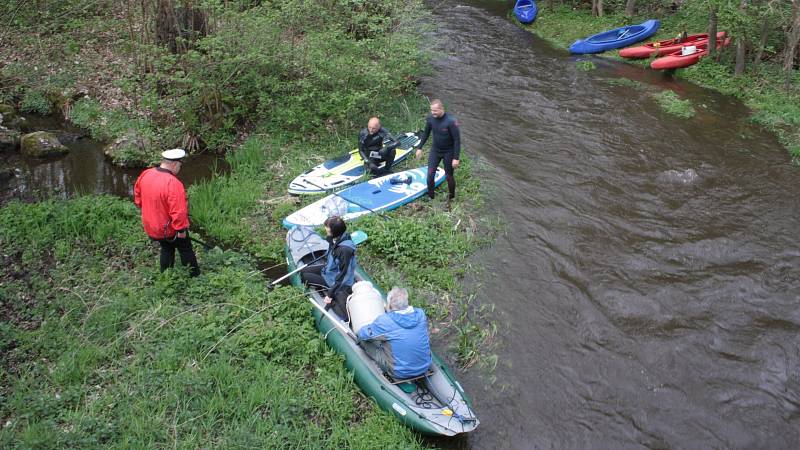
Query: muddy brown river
column 648, row 281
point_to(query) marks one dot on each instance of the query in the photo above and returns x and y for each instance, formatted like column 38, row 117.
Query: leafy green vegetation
column 99, row 349
column 304, row 66
column 764, row 87
column 672, row 104
column 586, row 66
column 422, row 246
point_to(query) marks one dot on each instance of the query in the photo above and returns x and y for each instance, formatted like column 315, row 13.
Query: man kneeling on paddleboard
column 372, row 150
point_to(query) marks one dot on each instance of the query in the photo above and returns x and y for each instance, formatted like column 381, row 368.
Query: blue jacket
column 340, row 266
column 405, row 336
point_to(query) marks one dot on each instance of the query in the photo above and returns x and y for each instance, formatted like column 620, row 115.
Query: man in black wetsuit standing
column 446, row 146
column 372, row 150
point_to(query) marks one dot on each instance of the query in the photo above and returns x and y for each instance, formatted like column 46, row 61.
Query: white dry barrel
column 364, row 305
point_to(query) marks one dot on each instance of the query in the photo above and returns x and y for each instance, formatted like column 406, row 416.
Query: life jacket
column 331, row 271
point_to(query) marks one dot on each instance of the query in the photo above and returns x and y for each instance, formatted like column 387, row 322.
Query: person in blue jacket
column 398, row 339
column 446, row 146
column 336, row 276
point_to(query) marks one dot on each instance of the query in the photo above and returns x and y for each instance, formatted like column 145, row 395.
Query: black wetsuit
column 446, row 146
column 373, row 151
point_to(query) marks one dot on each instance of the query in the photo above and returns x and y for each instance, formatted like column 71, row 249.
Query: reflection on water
column 84, row 170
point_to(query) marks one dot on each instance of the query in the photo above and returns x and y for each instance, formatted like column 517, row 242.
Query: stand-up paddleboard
column 379, row 194
column 345, row 170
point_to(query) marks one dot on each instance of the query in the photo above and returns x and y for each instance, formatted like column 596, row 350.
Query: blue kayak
column 616, row 38
column 526, row 11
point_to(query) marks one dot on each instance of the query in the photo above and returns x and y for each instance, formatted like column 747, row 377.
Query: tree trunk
column 630, row 8
column 597, row 8
column 792, row 40
column 712, row 33
column 741, row 48
column 762, row 42
column 178, row 25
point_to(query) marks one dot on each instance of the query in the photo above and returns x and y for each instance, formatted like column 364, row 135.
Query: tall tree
column 630, row 8
column 178, row 24
column 712, row 31
column 741, row 46
column 792, row 40
column 597, row 8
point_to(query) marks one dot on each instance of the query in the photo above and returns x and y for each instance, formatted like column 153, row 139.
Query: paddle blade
column 358, row 236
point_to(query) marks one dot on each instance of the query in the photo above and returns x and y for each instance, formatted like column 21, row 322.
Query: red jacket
column 162, row 199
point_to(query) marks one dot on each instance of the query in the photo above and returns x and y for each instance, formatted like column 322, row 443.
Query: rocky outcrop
column 130, row 150
column 41, row 144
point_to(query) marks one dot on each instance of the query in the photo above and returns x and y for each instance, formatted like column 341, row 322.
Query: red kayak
column 661, row 48
column 686, row 56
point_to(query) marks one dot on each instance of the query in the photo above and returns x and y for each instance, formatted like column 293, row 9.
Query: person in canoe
column 446, row 146
column 398, row 339
column 372, row 149
column 336, row 276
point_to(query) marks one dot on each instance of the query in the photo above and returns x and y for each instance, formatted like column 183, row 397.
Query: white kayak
column 345, row 170
column 379, row 194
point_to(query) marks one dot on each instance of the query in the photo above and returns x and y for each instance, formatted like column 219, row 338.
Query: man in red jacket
column 165, row 212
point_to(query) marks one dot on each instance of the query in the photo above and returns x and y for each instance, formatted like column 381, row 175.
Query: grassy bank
column 304, row 66
column 760, row 88
column 423, row 246
column 99, row 349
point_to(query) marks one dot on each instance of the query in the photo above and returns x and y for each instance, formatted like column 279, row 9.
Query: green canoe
column 434, row 405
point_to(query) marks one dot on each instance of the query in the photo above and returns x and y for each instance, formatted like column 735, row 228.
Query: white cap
column 174, row 155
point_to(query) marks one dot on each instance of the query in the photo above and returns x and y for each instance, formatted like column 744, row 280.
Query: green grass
column 761, row 88
column 671, row 103
column 586, row 66
column 421, row 246
column 101, row 350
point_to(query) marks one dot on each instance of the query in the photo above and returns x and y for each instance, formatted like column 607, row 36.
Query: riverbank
column 760, row 88
column 99, row 348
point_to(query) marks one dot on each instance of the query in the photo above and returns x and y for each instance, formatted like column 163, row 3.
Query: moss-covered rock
column 131, row 150
column 41, row 144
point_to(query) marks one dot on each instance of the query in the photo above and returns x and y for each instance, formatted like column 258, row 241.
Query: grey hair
column 397, row 299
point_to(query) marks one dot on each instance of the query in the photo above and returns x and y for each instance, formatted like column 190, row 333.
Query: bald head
column 373, row 125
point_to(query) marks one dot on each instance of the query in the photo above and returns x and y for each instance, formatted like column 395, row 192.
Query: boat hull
column 338, row 173
column 661, row 48
column 616, row 38
column 526, row 11
column 677, row 60
column 390, row 397
column 373, row 196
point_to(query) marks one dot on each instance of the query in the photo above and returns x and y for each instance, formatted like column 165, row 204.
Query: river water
column 85, row 169
column 647, row 283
